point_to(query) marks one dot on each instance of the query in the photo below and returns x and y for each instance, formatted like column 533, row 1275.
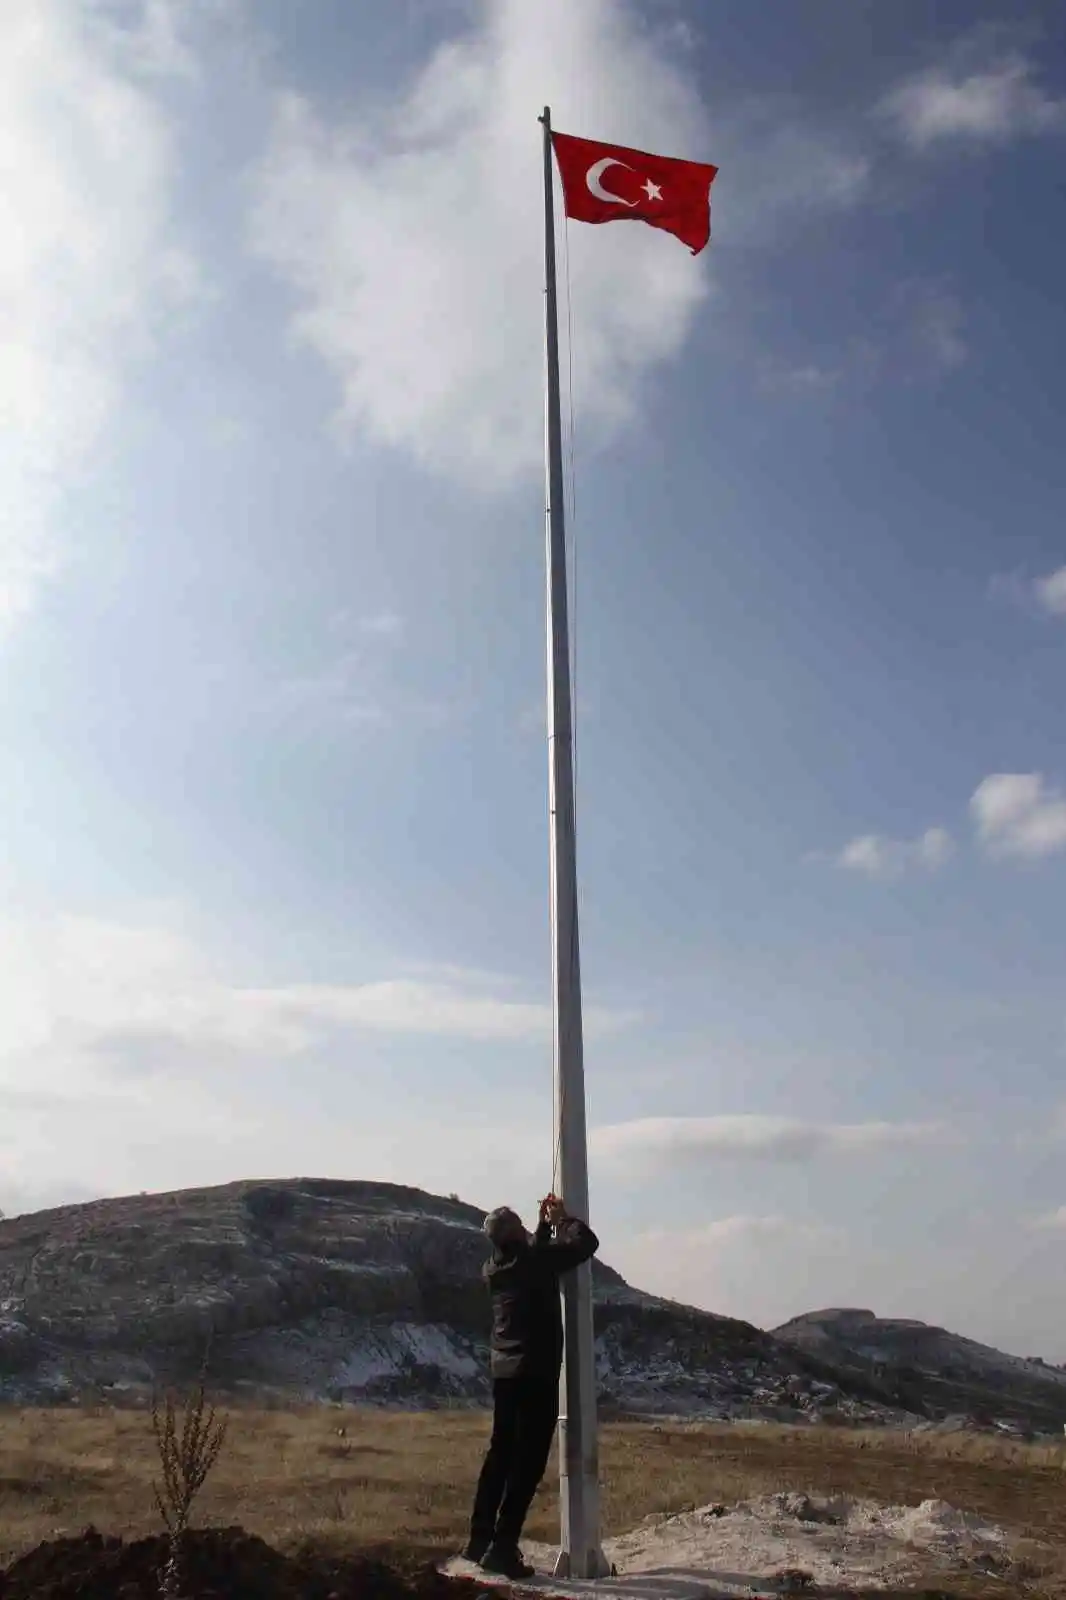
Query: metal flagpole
column 580, row 1554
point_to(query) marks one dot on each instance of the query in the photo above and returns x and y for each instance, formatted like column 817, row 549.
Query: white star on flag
column 652, row 190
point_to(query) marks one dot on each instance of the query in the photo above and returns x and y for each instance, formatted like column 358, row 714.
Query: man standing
column 527, row 1352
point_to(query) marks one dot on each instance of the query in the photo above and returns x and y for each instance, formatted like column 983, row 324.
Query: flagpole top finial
column 546, row 117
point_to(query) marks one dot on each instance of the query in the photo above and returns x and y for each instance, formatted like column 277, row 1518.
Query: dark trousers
column 525, row 1412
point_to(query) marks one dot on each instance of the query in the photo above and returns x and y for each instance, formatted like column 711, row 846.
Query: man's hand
column 552, row 1210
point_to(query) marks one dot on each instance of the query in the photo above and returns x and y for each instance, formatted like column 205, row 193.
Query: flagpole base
column 594, row 1565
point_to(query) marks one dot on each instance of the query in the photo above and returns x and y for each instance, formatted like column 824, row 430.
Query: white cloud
column 354, row 690
column 807, row 378
column 915, row 335
column 740, row 1228
column 933, row 319
column 149, row 37
column 133, row 1055
column 412, row 235
column 745, row 1265
column 78, row 995
column 876, row 856
column 782, row 165
column 382, row 625
column 753, row 1137
column 353, row 684
column 1051, row 1221
column 87, row 254
column 1050, row 592
column 994, row 103
column 395, row 1006
column 1044, row 595
column 1018, row 814
column 346, row 691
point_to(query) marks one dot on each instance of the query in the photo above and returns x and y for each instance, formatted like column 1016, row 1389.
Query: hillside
column 316, row 1290
column 321, row 1290
column 930, row 1369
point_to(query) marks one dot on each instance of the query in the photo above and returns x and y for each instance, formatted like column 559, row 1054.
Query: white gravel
column 743, row 1549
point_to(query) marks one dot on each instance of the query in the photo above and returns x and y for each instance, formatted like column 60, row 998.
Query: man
column 527, row 1351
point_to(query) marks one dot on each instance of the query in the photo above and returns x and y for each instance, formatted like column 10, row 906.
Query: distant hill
column 930, row 1369
column 316, row 1290
column 313, row 1289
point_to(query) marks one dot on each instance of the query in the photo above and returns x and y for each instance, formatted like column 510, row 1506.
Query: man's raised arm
column 572, row 1242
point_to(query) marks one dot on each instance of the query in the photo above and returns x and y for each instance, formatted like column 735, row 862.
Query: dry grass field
column 400, row 1483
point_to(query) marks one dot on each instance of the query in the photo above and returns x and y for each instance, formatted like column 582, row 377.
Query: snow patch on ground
column 438, row 1220
column 432, row 1345
column 381, row 1268
column 396, row 1349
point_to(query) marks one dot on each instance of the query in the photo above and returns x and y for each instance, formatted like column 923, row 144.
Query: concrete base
column 659, row 1585
column 601, row 1567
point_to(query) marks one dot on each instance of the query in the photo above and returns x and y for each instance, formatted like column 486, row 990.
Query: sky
column 273, row 777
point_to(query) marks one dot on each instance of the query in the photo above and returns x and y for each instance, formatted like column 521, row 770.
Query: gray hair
column 501, row 1223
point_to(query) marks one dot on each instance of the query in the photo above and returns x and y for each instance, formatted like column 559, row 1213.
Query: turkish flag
column 607, row 182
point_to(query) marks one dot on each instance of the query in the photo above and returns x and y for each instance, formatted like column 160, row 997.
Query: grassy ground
column 401, row 1482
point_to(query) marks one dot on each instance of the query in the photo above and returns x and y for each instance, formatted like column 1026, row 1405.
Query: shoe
column 475, row 1548
column 506, row 1561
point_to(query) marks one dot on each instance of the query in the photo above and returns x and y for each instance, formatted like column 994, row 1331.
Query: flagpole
column 580, row 1555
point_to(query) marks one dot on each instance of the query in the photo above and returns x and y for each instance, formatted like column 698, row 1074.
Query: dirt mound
column 217, row 1564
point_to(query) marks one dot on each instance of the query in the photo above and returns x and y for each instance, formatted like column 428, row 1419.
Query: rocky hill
column 925, row 1368
column 311, row 1289
column 319, row 1290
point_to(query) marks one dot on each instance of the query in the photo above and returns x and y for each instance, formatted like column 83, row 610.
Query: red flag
column 606, row 182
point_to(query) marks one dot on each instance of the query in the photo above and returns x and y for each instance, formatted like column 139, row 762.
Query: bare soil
column 215, row 1564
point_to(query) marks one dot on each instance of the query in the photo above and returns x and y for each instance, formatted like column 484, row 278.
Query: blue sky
column 273, row 806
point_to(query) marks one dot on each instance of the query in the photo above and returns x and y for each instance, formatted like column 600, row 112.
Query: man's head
column 504, row 1227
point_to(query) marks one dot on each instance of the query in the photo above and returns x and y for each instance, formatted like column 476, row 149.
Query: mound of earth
column 217, row 1564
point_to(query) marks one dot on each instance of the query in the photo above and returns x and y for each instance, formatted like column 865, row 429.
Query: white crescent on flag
column 595, row 174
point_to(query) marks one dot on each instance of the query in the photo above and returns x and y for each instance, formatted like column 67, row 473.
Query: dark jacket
column 523, row 1280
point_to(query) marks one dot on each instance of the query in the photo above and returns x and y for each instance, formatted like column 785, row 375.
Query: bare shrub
column 186, row 1457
